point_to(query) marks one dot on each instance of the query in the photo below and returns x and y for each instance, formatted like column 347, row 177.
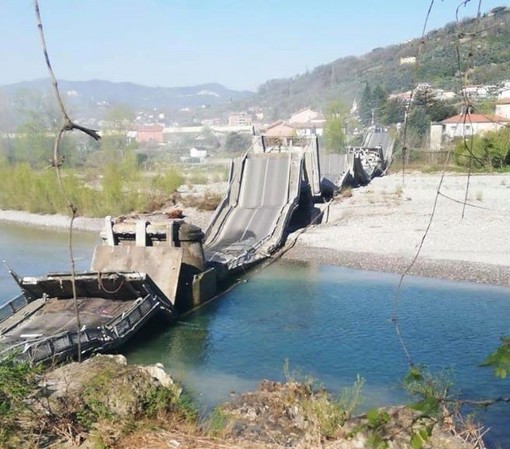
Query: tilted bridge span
column 271, row 185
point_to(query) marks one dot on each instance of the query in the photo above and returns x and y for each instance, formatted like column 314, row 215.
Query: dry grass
column 208, row 201
column 346, row 192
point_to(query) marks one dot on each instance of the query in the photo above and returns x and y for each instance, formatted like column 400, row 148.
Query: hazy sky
column 237, row 43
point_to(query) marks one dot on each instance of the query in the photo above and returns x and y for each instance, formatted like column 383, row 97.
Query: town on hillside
column 446, row 121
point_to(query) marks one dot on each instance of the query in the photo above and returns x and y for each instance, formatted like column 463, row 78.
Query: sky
column 240, row 44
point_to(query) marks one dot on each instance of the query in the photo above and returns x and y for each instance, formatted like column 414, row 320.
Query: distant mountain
column 392, row 68
column 88, row 98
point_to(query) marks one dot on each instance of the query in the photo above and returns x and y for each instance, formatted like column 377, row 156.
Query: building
column 463, row 125
column 308, row 129
column 306, row 115
column 240, row 119
column 408, row 60
column 503, row 103
column 443, row 95
column 198, row 154
column 404, row 97
column 280, row 129
column 149, row 134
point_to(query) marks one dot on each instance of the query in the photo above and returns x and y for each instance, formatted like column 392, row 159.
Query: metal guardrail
column 12, row 306
column 98, row 338
column 135, row 316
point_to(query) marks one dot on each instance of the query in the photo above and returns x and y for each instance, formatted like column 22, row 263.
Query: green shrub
column 167, row 182
column 17, row 382
column 121, row 190
column 489, row 150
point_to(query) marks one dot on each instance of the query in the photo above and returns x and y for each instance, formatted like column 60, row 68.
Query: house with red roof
column 469, row 124
column 464, row 125
column 280, row 129
column 149, row 134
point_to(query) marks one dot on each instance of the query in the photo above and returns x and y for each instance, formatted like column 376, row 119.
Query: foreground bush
column 106, row 403
column 100, row 400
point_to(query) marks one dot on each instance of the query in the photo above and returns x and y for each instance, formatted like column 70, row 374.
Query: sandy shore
column 51, row 221
column 200, row 218
column 380, row 228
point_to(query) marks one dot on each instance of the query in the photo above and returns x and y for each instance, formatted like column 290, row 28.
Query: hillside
column 438, row 65
column 344, row 79
column 92, row 98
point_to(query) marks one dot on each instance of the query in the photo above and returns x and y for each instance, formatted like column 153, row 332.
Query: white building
column 198, row 154
column 306, row 115
column 464, row 125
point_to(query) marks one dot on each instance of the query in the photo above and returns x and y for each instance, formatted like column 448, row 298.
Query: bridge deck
column 252, row 219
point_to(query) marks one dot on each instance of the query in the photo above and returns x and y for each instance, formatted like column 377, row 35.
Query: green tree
column 393, row 112
column 40, row 119
column 491, row 149
column 365, row 106
column 379, row 99
column 334, row 128
column 237, row 142
column 116, row 148
column 208, row 139
column 436, row 109
column 33, row 143
column 418, row 123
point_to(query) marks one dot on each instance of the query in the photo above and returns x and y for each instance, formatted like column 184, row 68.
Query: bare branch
column 68, row 125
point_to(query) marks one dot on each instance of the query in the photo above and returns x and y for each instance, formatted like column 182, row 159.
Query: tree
column 426, row 108
column 5, row 147
column 418, row 123
column 365, row 106
column 237, row 142
column 40, row 119
column 491, row 149
column 115, row 146
column 379, row 98
column 393, row 112
column 208, row 139
column 334, row 128
column 33, row 144
column 372, row 104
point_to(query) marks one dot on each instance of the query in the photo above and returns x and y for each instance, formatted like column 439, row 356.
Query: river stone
column 107, row 382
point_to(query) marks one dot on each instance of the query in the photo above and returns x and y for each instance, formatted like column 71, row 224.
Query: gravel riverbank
column 381, row 226
column 51, row 221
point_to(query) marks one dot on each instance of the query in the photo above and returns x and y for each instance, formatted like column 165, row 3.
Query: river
column 37, row 251
column 327, row 322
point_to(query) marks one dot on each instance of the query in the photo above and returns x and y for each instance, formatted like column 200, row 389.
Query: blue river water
column 327, row 322
column 333, row 324
column 37, row 251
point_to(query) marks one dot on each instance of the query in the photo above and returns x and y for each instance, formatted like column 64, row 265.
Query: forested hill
column 488, row 39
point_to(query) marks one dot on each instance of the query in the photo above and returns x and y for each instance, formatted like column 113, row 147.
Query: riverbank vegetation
column 116, row 190
column 106, row 403
column 114, row 176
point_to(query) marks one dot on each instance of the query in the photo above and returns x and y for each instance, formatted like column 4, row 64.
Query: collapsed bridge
column 270, row 185
column 148, row 270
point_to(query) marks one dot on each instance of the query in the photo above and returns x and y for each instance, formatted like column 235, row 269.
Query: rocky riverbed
column 380, row 227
